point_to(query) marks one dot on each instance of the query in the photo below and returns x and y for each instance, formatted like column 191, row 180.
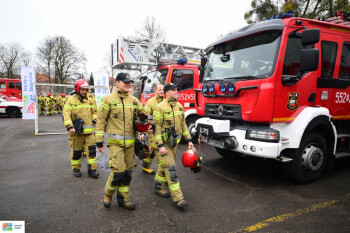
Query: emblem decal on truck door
column 292, row 101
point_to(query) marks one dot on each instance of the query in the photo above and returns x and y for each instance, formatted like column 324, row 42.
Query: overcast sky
column 93, row 25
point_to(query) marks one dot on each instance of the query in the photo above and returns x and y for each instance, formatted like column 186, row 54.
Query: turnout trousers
column 166, row 173
column 80, row 143
column 121, row 162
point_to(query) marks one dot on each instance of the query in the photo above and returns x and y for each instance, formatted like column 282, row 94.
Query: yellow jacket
column 169, row 113
column 84, row 109
column 119, row 110
column 152, row 103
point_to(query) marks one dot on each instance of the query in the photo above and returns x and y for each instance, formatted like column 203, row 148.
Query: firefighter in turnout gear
column 170, row 126
column 50, row 104
column 149, row 108
column 41, row 103
column 119, row 110
column 80, row 115
column 58, row 100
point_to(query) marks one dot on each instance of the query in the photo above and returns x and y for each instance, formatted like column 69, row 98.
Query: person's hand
column 72, row 130
column 142, row 137
column 101, row 149
column 190, row 145
column 150, row 129
column 162, row 150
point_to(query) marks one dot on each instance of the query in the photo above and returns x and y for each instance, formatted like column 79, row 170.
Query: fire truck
column 11, row 87
column 164, row 63
column 280, row 89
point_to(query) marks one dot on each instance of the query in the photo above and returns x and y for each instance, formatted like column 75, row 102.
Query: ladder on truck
column 132, row 53
column 340, row 18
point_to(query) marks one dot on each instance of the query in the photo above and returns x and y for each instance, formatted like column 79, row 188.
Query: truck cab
column 11, row 87
column 280, row 89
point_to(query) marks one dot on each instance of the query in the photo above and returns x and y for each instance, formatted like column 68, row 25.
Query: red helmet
column 63, row 95
column 190, row 159
column 81, row 83
column 142, row 123
column 48, row 94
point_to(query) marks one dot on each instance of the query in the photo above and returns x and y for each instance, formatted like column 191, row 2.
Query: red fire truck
column 11, row 87
column 280, row 89
column 163, row 63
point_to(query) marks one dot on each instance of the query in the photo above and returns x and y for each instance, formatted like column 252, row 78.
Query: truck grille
column 226, row 111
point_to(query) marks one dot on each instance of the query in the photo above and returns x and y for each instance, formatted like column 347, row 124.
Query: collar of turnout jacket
column 169, row 113
column 84, row 109
column 119, row 111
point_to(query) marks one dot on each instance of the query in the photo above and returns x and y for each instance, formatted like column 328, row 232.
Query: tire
column 191, row 123
column 227, row 153
column 309, row 160
column 13, row 112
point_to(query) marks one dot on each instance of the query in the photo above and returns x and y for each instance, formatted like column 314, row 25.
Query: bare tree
column 152, row 30
column 26, row 58
column 45, row 56
column 9, row 58
column 59, row 56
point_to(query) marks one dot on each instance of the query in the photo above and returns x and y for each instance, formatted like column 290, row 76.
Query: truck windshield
column 251, row 57
column 153, row 78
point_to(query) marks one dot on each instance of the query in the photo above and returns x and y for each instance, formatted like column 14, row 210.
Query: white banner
column 13, row 226
column 28, row 78
column 101, row 80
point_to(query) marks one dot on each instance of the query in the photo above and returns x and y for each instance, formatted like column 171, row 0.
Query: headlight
column 205, row 88
column 269, row 135
column 230, row 87
column 211, row 88
column 223, row 87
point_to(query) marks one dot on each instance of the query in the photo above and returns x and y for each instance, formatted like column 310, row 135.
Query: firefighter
column 170, row 125
column 64, row 100
column 149, row 108
column 41, row 103
column 50, row 105
column 58, row 100
column 80, row 115
column 119, row 110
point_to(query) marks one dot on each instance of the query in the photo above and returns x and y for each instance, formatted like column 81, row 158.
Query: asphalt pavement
column 240, row 194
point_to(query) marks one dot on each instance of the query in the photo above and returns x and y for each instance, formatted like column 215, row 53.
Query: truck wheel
column 227, row 153
column 12, row 112
column 191, row 123
column 309, row 160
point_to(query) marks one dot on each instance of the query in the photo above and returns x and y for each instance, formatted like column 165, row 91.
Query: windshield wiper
column 248, row 77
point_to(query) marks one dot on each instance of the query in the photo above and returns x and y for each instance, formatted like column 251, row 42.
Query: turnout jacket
column 166, row 114
column 152, row 103
column 119, row 110
column 85, row 109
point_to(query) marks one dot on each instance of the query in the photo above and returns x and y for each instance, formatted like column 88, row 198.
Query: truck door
column 184, row 79
column 340, row 105
column 149, row 84
column 294, row 91
column 328, row 53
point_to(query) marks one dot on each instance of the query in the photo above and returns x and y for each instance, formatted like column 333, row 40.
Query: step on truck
column 165, row 63
column 280, row 89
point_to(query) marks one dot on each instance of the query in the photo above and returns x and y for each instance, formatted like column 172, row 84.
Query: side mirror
column 309, row 60
column 204, row 61
column 310, row 36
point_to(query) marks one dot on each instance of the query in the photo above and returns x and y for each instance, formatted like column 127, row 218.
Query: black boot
column 76, row 172
column 92, row 173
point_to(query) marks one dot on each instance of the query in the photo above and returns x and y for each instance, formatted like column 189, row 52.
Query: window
column 12, row 85
column 19, row 86
column 183, row 78
column 344, row 70
column 328, row 57
column 291, row 65
column 3, row 85
column 153, row 78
